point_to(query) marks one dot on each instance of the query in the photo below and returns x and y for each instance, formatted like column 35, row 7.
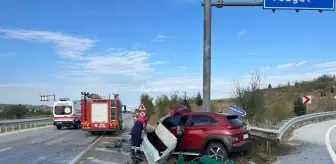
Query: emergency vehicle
column 67, row 113
column 101, row 114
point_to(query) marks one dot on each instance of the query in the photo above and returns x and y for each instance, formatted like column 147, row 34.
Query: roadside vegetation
column 21, row 111
column 266, row 105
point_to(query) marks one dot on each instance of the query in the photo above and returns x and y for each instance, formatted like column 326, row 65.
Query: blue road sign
column 237, row 110
column 300, row 4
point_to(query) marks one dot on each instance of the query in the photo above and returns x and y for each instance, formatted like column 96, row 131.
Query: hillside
column 279, row 100
column 265, row 106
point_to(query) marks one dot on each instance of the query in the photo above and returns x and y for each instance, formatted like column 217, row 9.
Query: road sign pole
column 207, row 45
column 207, row 56
column 267, row 4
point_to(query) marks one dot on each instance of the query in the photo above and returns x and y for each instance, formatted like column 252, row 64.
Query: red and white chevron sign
column 306, row 99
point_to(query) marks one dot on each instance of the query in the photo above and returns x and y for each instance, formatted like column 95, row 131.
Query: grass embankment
column 265, row 106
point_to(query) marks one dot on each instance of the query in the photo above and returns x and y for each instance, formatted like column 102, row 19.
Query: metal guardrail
column 276, row 134
column 20, row 121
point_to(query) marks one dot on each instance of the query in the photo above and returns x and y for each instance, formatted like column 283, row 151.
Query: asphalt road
column 104, row 151
column 309, row 142
column 43, row 146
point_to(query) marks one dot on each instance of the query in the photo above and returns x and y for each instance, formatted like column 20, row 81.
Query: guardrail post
column 6, row 129
column 25, row 126
column 19, row 126
column 35, row 125
column 13, row 127
column 0, row 129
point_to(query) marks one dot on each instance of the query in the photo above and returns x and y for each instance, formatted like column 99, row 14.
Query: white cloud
column 265, row 69
column 183, row 67
column 113, row 62
column 242, row 33
column 66, row 46
column 331, row 64
column 326, row 66
column 285, row 66
column 160, row 38
column 301, row 63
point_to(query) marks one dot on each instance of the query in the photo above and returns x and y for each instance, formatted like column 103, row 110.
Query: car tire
column 59, row 127
column 217, row 150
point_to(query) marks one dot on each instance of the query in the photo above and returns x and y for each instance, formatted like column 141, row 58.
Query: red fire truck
column 101, row 114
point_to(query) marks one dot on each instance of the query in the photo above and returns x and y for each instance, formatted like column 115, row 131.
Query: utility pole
column 47, row 97
column 207, row 4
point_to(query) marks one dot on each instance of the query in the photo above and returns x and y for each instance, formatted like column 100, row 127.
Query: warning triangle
column 142, row 107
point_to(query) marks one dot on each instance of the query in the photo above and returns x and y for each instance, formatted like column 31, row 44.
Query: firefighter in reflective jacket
column 139, row 125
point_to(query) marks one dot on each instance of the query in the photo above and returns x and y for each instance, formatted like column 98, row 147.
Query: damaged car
column 201, row 133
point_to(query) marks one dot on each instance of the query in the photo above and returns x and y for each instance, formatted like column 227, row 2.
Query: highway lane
column 100, row 154
column 309, row 142
column 43, row 145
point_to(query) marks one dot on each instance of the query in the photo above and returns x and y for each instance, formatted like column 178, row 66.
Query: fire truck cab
column 101, row 114
column 66, row 113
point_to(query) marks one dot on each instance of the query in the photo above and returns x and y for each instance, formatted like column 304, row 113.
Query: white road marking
column 102, row 162
column 5, row 149
column 328, row 144
column 112, row 151
column 79, row 156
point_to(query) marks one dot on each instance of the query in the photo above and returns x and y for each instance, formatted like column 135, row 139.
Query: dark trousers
column 136, row 135
column 136, row 138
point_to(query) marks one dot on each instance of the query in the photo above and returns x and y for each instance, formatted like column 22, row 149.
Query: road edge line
column 327, row 142
column 81, row 154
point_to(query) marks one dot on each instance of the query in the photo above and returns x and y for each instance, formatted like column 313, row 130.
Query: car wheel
column 217, row 151
column 59, row 127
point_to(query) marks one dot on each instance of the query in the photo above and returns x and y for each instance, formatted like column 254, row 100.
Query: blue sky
column 153, row 46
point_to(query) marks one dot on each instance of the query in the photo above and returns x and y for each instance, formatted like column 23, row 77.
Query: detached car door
column 198, row 128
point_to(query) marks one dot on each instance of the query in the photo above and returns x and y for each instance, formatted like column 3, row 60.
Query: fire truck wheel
column 59, row 127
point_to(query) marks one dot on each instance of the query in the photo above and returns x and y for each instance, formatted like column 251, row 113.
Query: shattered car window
column 234, row 120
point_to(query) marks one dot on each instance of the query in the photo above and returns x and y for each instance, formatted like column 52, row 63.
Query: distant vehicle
column 197, row 133
column 101, row 114
column 67, row 113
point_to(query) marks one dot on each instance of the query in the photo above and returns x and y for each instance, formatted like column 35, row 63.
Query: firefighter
column 139, row 125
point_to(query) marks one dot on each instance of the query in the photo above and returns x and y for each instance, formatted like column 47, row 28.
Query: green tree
column 269, row 86
column 162, row 104
column 185, row 100
column 251, row 97
column 332, row 90
column 15, row 111
column 299, row 107
column 199, row 99
column 147, row 100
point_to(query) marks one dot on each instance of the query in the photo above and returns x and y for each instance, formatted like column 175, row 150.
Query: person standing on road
column 139, row 125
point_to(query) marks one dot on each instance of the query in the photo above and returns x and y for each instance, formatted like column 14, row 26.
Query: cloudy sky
column 65, row 47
